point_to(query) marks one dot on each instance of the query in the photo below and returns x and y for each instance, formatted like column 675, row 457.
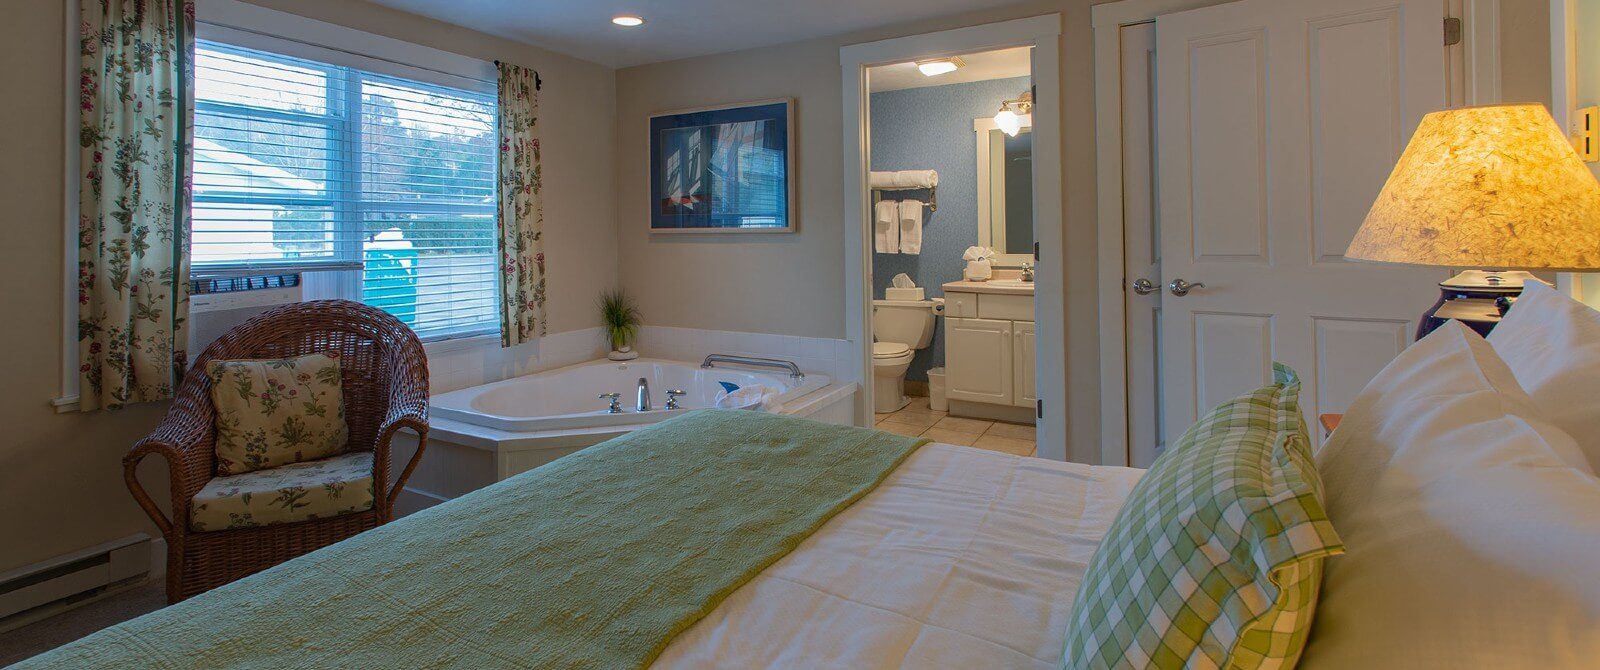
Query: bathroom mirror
column 1005, row 191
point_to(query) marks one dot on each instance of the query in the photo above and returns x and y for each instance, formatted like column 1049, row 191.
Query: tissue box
column 913, row 293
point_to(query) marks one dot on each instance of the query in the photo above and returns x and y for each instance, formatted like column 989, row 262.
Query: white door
column 1279, row 121
column 1022, row 365
column 978, row 360
column 1141, row 263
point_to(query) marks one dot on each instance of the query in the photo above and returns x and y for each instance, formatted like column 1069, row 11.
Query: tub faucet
column 644, row 396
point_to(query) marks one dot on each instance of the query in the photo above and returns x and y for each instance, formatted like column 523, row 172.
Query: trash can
column 936, row 400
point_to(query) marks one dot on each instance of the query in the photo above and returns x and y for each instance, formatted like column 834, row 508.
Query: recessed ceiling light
column 627, row 20
column 938, row 66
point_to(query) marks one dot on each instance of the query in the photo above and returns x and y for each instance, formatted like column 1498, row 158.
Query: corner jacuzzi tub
column 566, row 398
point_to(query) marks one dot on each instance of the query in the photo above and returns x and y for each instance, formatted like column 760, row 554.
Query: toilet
column 899, row 329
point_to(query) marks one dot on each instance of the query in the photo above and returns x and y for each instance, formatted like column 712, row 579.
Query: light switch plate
column 1586, row 139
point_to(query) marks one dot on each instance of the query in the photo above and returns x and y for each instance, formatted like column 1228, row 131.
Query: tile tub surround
column 467, row 362
column 822, row 355
column 931, row 129
column 917, row 420
column 472, row 361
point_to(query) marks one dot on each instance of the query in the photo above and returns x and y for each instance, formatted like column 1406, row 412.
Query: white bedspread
column 962, row 558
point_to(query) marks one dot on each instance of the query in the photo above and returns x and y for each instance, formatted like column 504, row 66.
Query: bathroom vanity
column 989, row 349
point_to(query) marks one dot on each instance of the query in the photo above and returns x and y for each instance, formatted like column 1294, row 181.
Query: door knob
column 1179, row 287
column 1143, row 286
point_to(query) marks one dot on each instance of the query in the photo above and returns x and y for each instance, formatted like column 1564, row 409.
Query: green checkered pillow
column 1215, row 559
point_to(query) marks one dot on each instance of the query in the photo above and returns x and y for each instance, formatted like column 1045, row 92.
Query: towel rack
column 933, row 194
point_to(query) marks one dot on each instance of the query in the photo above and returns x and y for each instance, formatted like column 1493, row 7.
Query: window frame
column 253, row 27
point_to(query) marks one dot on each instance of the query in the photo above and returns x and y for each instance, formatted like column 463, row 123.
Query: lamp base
column 1476, row 298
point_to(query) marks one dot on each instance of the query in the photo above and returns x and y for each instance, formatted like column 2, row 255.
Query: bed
column 953, row 556
column 963, row 558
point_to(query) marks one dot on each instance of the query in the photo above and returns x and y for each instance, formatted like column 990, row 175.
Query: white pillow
column 1552, row 344
column 1473, row 542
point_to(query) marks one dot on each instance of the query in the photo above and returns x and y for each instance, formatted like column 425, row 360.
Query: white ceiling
column 676, row 29
column 1000, row 64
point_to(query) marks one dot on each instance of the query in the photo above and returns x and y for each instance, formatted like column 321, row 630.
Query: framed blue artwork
column 723, row 169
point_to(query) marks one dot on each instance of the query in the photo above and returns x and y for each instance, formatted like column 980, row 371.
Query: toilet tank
column 909, row 322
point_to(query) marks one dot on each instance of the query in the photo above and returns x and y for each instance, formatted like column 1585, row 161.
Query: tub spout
column 644, row 396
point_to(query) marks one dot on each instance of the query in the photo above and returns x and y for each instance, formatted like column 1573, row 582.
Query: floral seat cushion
column 294, row 492
column 276, row 412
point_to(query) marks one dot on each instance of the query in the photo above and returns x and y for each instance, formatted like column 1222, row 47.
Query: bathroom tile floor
column 916, row 419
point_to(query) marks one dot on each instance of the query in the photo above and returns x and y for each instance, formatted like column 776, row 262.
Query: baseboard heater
column 63, row 580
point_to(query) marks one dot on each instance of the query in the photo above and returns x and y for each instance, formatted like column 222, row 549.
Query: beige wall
column 61, row 474
column 794, row 284
column 1525, row 51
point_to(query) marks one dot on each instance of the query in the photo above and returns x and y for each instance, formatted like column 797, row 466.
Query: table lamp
column 1496, row 187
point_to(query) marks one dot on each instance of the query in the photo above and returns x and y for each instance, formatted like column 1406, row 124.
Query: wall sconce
column 1009, row 118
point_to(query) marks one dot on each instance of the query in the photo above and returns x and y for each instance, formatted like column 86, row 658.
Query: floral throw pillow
column 276, row 412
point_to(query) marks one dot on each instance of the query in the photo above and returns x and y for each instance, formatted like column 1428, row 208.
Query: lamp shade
column 1496, row 186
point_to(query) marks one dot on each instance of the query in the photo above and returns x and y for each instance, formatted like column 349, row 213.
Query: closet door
column 1279, row 121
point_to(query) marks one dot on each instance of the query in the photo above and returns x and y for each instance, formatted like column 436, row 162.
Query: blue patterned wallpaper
column 931, row 129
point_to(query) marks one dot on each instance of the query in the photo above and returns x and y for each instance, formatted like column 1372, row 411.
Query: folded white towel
column 749, row 397
column 910, row 227
column 886, row 227
column 903, row 179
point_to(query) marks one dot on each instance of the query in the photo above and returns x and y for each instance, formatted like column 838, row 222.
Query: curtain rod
column 538, row 83
column 357, row 53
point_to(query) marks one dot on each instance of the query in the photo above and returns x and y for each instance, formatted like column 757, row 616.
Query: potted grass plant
column 621, row 320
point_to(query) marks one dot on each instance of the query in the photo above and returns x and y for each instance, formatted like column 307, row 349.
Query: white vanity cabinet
column 989, row 346
column 1022, row 364
column 977, row 360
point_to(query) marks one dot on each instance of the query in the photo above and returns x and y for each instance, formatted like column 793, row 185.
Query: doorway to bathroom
column 953, row 226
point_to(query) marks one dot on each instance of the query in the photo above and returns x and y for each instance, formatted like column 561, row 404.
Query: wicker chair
column 385, row 381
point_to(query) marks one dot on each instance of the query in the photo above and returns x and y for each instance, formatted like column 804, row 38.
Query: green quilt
column 594, row 561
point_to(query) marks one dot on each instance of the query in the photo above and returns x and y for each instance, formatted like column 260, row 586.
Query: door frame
column 1563, row 104
column 1479, row 55
column 1043, row 33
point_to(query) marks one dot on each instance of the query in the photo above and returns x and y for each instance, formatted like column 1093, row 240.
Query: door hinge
column 1038, row 409
column 1035, row 253
column 1452, row 31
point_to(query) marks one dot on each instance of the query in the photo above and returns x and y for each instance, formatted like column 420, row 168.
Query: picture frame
column 724, row 168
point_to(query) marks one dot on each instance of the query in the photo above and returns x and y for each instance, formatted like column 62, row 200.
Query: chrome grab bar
column 794, row 370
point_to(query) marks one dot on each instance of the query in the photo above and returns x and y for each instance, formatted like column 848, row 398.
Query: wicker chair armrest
column 130, row 473
column 408, row 408
column 185, row 439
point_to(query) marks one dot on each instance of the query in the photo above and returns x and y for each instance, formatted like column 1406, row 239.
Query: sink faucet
column 644, row 396
column 1027, row 271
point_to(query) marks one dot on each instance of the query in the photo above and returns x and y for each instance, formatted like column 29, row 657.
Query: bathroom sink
column 1009, row 283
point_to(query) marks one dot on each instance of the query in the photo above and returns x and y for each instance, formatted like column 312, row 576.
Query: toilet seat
column 889, row 349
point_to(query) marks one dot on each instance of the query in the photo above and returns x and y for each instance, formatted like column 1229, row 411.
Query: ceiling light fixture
column 627, row 20
column 938, row 66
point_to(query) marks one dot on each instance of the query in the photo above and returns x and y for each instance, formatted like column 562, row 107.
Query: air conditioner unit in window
column 218, row 303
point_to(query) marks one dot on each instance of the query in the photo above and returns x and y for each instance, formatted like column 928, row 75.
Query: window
column 308, row 166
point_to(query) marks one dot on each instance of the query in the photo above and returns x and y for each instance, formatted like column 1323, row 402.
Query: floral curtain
column 135, row 93
column 521, row 210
